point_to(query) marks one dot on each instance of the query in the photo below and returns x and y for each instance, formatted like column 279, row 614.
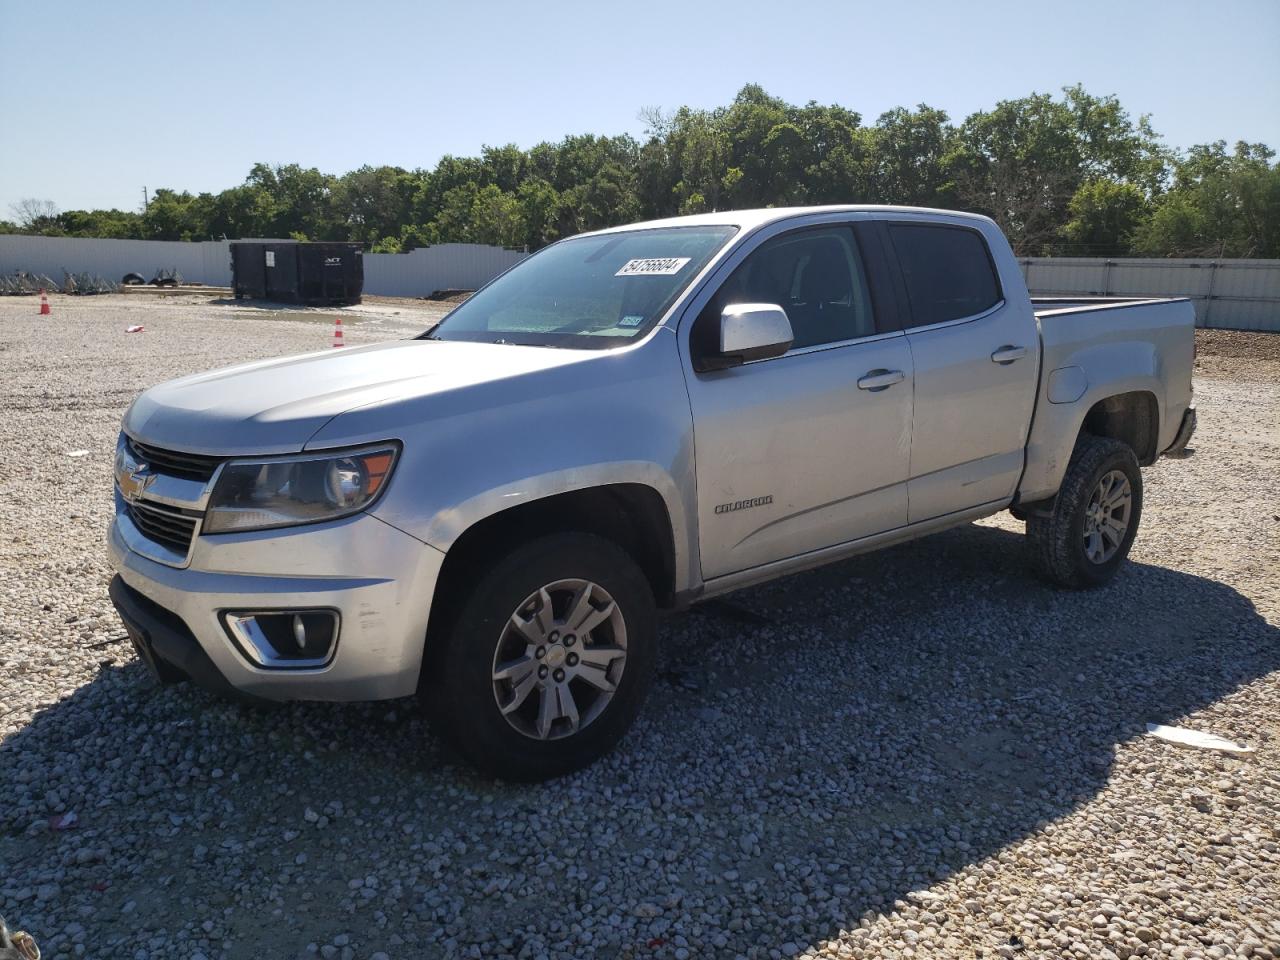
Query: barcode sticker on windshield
column 653, row 267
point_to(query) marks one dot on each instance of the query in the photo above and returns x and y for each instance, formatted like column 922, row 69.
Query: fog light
column 284, row 639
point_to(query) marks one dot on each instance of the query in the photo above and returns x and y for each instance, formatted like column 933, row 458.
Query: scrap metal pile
column 22, row 283
column 86, row 283
column 167, row 277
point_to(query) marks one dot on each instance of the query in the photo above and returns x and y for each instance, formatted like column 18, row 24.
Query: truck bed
column 1081, row 304
column 1128, row 346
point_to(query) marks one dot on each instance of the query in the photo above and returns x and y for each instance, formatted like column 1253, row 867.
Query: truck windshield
column 587, row 292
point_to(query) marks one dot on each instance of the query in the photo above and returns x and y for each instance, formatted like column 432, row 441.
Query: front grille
column 164, row 526
column 189, row 466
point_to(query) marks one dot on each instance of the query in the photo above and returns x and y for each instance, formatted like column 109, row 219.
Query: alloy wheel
column 559, row 659
column 1107, row 515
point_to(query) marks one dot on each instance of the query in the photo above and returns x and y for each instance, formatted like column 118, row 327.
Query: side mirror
column 749, row 331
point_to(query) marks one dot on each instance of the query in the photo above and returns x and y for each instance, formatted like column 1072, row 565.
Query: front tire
column 547, row 661
column 1086, row 535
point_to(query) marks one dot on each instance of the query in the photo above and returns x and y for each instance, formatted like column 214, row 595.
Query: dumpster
column 293, row 272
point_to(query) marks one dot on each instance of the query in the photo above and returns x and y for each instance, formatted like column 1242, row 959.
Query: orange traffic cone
column 337, row 331
column 44, row 304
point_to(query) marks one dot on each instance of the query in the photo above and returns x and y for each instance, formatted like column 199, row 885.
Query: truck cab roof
column 751, row 219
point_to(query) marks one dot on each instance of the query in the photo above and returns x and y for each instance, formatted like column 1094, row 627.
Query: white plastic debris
column 136, row 328
column 77, row 453
column 1194, row 738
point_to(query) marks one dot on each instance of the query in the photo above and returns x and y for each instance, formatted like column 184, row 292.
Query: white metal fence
column 208, row 263
column 448, row 266
column 1230, row 294
column 463, row 266
column 1233, row 294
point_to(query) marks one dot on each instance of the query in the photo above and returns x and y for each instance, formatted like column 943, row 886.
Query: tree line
column 1063, row 175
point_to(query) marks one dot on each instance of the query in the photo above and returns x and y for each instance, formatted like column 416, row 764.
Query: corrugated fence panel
column 1230, row 294
column 217, row 262
column 393, row 275
column 449, row 266
column 207, row 263
column 1250, row 296
column 1233, row 294
column 462, row 266
column 473, row 263
column 1073, row 276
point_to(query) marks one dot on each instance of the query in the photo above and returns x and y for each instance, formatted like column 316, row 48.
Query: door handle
column 1008, row 353
column 876, row 380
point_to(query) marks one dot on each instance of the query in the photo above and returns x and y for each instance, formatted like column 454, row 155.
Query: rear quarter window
column 948, row 272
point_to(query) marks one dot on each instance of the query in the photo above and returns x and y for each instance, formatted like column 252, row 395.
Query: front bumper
column 383, row 607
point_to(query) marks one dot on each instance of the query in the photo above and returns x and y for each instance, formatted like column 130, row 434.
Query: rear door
column 810, row 449
column 975, row 352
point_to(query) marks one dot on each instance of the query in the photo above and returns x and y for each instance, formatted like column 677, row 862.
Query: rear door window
column 948, row 272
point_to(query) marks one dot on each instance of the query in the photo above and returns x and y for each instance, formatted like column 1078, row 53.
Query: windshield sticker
column 631, row 320
column 653, row 267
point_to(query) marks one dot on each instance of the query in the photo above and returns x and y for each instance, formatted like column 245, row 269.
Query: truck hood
column 276, row 406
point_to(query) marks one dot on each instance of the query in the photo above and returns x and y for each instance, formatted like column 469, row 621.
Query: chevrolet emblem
column 134, row 480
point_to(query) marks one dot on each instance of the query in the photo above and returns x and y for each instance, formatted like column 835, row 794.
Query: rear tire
column 1086, row 535
column 525, row 694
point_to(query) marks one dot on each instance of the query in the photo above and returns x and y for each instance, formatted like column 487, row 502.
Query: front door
column 810, row 449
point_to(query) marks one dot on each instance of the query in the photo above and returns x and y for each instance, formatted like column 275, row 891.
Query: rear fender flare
column 1109, row 370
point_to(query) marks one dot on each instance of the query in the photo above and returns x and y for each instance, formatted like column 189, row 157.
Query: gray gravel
column 920, row 753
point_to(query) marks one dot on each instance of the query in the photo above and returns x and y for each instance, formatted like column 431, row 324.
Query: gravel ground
column 920, row 753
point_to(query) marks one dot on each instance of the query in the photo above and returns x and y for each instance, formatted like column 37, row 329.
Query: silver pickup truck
column 491, row 515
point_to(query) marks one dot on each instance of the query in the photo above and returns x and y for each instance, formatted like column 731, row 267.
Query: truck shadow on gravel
column 815, row 750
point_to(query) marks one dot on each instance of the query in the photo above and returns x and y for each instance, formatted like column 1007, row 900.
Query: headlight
column 308, row 488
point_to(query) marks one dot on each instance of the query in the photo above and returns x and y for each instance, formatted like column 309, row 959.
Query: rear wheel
column 1086, row 535
column 547, row 661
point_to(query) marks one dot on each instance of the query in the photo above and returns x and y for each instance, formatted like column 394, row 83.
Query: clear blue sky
column 99, row 98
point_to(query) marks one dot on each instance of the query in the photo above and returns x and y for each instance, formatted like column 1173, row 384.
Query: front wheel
column 1087, row 533
column 548, row 660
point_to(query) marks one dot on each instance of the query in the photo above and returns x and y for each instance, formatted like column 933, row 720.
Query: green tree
column 1072, row 171
column 298, row 198
column 698, row 149
column 453, row 222
column 1221, row 204
column 910, row 151
column 428, row 196
column 1176, row 228
column 1020, row 164
column 539, row 205
column 837, row 156
column 487, row 214
column 505, row 167
column 174, row 216
column 1104, row 215
column 118, row 224
column 496, row 218
column 1112, row 145
column 745, row 129
column 373, row 202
